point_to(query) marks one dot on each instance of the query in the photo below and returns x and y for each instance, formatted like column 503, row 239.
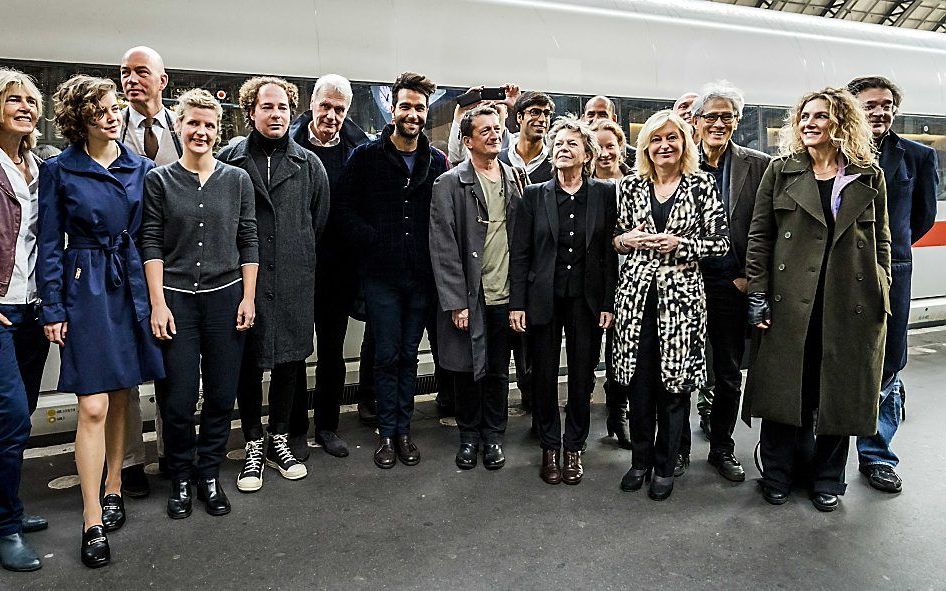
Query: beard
column 401, row 126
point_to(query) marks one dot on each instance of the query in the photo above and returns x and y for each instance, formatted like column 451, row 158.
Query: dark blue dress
column 97, row 282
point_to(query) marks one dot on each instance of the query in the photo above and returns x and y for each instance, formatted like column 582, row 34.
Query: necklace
column 19, row 162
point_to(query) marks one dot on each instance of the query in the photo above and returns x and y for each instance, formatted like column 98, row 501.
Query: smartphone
column 487, row 94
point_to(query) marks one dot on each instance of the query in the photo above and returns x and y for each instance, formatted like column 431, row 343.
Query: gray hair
column 721, row 89
column 590, row 140
column 339, row 84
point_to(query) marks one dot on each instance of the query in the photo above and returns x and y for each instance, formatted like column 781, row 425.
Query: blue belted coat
column 96, row 283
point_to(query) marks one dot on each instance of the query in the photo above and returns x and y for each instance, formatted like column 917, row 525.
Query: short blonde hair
column 570, row 122
column 250, row 91
column 76, row 104
column 849, row 129
column 608, row 125
column 198, row 98
column 10, row 80
column 689, row 160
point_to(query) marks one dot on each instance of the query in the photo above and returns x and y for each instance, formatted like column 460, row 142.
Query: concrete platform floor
column 352, row 526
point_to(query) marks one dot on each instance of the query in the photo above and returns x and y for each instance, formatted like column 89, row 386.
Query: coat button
column 860, row 244
column 788, row 234
column 269, row 239
column 860, row 276
column 812, row 269
column 781, row 267
column 858, row 309
column 270, row 266
column 778, row 298
column 819, row 237
column 475, row 255
column 269, row 296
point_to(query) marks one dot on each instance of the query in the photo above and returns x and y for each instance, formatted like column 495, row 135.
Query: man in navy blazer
column 911, row 174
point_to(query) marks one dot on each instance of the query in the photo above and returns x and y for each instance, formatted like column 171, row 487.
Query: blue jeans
column 23, row 350
column 876, row 448
column 397, row 314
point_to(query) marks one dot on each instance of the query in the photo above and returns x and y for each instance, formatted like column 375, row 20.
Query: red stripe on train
column 935, row 237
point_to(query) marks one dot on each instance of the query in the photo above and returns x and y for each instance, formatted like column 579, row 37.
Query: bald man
column 148, row 130
column 682, row 106
column 599, row 107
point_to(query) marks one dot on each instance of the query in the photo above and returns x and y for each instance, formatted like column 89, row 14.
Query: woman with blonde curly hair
column 94, row 297
column 818, row 267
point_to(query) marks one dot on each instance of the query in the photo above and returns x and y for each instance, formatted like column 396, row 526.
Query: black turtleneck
column 267, row 152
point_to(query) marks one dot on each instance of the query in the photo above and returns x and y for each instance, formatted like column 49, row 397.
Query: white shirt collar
column 32, row 162
column 315, row 141
column 517, row 160
column 135, row 119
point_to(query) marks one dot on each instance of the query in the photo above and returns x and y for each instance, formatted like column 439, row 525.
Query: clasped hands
column 638, row 239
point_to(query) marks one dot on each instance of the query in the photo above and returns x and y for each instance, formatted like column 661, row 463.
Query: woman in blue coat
column 94, row 296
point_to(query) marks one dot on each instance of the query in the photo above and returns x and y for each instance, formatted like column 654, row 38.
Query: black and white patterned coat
column 698, row 219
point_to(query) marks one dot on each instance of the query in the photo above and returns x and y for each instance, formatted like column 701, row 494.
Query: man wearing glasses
column 533, row 112
column 910, row 173
column 738, row 172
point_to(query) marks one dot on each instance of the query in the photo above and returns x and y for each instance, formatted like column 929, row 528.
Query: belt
column 122, row 263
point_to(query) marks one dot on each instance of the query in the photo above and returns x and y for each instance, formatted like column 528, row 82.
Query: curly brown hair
column 849, row 129
column 76, row 104
column 250, row 91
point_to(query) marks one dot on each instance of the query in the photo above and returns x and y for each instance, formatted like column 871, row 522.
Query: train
column 642, row 53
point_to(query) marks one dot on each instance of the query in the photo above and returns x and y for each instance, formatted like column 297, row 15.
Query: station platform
column 349, row 525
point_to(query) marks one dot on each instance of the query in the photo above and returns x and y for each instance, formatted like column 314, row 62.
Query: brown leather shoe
column 550, row 472
column 572, row 470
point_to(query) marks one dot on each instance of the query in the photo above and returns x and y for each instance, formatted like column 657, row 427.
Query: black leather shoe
column 135, row 482
column 407, row 452
column 332, row 443
column 825, row 502
column 16, row 554
column 882, row 477
column 384, row 456
column 634, row 479
column 113, row 512
column 33, row 523
column 728, row 466
column 180, row 501
column 660, row 487
column 211, row 493
column 367, row 413
column 683, row 462
column 466, row 456
column 299, row 446
column 618, row 426
column 95, row 551
column 772, row 495
column 493, row 456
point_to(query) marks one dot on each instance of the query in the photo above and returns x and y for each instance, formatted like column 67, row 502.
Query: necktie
column 151, row 140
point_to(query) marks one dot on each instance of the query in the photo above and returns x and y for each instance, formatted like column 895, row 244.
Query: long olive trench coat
column 784, row 260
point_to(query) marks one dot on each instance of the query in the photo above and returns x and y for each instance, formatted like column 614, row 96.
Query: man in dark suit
column 738, row 172
column 563, row 273
column 911, row 174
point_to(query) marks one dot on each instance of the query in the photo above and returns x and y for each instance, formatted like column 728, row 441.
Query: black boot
column 210, row 492
column 180, row 501
column 16, row 554
column 95, row 551
column 618, row 426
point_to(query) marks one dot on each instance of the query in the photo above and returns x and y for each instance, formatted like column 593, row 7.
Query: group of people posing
column 145, row 256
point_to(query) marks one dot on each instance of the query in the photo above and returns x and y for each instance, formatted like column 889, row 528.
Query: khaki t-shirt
column 496, row 249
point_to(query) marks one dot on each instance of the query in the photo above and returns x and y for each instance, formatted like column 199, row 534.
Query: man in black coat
column 383, row 203
column 326, row 131
column 738, row 172
column 911, row 174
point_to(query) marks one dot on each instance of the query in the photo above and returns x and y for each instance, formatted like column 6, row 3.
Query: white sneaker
column 279, row 456
column 251, row 477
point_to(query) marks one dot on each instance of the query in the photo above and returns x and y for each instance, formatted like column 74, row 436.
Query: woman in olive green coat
column 818, row 265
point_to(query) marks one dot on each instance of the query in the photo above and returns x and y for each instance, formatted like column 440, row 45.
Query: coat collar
column 738, row 172
column 75, row 159
column 803, row 188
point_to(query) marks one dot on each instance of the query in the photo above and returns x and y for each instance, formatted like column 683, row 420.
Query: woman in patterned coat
column 669, row 217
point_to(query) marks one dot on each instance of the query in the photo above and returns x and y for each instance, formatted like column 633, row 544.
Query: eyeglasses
column 726, row 118
column 535, row 112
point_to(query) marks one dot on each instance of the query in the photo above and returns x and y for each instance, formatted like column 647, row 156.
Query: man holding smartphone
column 506, row 99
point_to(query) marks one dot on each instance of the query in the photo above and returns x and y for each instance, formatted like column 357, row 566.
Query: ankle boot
column 618, row 426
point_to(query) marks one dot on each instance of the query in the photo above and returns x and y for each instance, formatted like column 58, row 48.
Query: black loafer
column 466, row 456
column 180, row 501
column 772, row 495
column 332, row 443
column 113, row 512
column 135, row 482
column 728, row 466
column 634, row 479
column 407, row 452
column 660, row 487
column 95, row 552
column 493, row 456
column 33, row 523
column 683, row 462
column 825, row 502
column 16, row 555
column 211, row 493
column 882, row 477
column 384, row 456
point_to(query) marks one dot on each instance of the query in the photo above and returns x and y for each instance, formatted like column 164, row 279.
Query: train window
column 747, row 133
column 771, row 119
column 929, row 131
column 634, row 112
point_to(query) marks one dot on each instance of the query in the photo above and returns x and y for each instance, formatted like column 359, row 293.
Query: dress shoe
column 299, row 446
column 493, row 456
column 95, row 551
column 882, row 477
column 113, row 512
column 135, row 482
column 367, row 413
column 550, row 472
column 180, row 500
column 618, row 426
column 634, row 479
column 466, row 456
column 572, row 470
column 332, row 443
column 16, row 554
column 33, row 523
column 660, row 487
column 384, row 456
column 825, row 502
column 683, row 462
column 407, row 452
column 728, row 466
column 211, row 493
column 772, row 495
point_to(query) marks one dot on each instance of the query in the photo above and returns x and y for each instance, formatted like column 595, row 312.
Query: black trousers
column 582, row 352
column 615, row 396
column 482, row 406
column 658, row 417
column 727, row 309
column 207, row 345
column 283, row 396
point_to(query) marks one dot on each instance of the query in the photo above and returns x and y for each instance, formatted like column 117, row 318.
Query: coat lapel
column 472, row 187
column 738, row 172
column 857, row 196
column 288, row 165
column 551, row 208
column 801, row 187
column 512, row 189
